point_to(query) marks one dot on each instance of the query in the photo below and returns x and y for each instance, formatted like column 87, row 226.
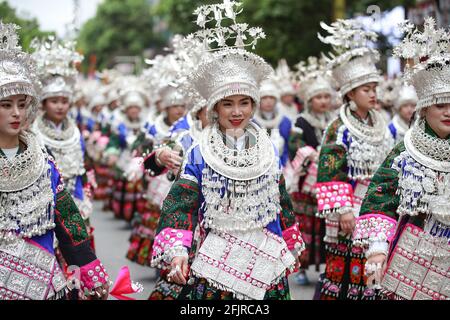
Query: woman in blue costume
column 36, row 206
column 127, row 197
column 269, row 117
column 57, row 132
column 404, row 106
column 231, row 187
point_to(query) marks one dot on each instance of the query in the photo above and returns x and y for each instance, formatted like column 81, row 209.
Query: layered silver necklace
column 368, row 144
column 424, row 181
column 240, row 187
column 65, row 145
column 26, row 195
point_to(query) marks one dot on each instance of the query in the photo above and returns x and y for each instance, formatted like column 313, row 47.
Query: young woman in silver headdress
column 156, row 184
column 231, row 187
column 57, row 132
column 404, row 106
column 285, row 81
column 304, row 147
column 353, row 147
column 270, row 117
column 36, row 206
column 127, row 197
column 405, row 216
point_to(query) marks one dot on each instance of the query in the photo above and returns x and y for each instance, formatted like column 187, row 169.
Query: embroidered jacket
column 74, row 243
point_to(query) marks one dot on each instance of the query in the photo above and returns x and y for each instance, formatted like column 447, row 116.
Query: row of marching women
column 331, row 197
column 232, row 174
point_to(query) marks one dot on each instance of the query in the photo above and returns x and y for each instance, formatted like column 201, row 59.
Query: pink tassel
column 123, row 285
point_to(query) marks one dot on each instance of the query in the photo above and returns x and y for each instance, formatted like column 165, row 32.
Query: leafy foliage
column 119, row 28
column 291, row 25
column 29, row 28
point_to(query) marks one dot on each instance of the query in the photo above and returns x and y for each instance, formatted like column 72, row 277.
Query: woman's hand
column 170, row 159
column 179, row 270
column 100, row 293
column 374, row 269
column 347, row 222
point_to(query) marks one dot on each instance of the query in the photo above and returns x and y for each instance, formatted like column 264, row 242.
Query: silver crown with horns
column 428, row 62
column 18, row 74
column 56, row 66
column 229, row 69
column 353, row 61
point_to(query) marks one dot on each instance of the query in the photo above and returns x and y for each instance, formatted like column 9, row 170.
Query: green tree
column 291, row 25
column 119, row 28
column 29, row 29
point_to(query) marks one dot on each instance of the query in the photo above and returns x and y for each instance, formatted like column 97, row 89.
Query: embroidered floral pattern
column 180, row 205
column 67, row 213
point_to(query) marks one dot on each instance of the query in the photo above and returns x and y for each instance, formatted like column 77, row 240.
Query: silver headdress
column 131, row 93
column 314, row 78
column 17, row 70
column 387, row 91
column 56, row 66
column 96, row 99
column 269, row 88
column 188, row 52
column 285, row 78
column 166, row 77
column 111, row 79
column 354, row 62
column 229, row 69
column 405, row 94
column 430, row 53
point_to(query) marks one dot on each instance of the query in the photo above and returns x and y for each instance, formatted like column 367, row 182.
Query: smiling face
column 234, row 113
column 56, row 108
column 13, row 113
column 438, row 118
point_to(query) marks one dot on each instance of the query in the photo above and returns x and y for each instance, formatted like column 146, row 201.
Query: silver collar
column 243, row 165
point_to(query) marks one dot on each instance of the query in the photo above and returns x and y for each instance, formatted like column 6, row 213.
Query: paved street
column 111, row 239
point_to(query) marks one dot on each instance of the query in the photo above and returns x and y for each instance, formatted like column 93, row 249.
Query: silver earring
column 352, row 105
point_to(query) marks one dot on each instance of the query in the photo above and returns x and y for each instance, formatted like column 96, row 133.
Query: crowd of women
column 232, row 174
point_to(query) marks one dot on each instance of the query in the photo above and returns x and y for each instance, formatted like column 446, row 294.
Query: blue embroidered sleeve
column 193, row 165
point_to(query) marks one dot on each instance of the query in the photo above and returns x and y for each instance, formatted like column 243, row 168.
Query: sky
column 388, row 25
column 54, row 15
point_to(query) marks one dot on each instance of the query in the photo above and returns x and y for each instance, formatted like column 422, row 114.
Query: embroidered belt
column 28, row 272
column 244, row 263
column 414, row 275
